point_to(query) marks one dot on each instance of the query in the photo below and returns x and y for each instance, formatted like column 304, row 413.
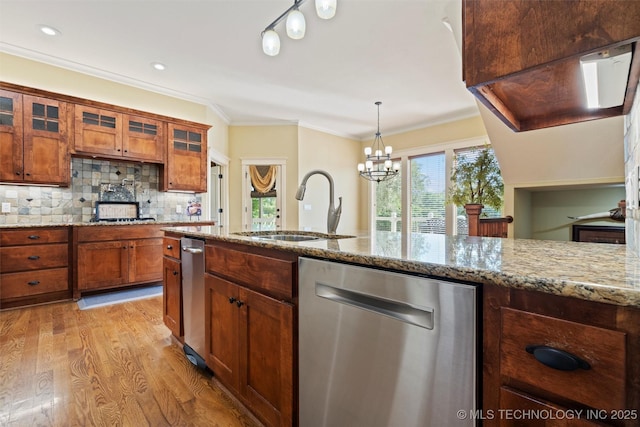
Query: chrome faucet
column 333, row 216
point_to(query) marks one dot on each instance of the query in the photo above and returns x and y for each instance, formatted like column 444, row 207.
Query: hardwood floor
column 108, row 366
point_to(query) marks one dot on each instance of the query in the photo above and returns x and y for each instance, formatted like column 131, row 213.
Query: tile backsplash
column 632, row 174
column 94, row 180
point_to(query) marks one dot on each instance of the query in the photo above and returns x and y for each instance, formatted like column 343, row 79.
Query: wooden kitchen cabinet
column 34, row 139
column 250, row 327
column 187, row 162
column 599, row 378
column 521, row 59
column 105, row 133
column 34, row 266
column 117, row 256
column 172, row 286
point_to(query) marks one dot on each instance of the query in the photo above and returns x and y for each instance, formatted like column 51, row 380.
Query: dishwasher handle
column 407, row 313
column 192, row 250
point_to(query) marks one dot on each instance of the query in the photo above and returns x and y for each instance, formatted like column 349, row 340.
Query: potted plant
column 476, row 182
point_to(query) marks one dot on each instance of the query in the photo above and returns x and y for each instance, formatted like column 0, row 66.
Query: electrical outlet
column 178, row 209
column 6, row 207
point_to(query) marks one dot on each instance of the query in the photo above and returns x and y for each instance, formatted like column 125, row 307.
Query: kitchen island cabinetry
column 35, row 266
column 34, row 139
column 117, row 256
column 546, row 352
column 172, row 286
column 250, row 327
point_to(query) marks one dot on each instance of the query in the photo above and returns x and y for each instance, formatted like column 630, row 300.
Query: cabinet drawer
column 171, row 247
column 601, row 386
column 28, row 283
column 513, row 400
column 271, row 275
column 23, row 258
column 97, row 233
column 33, row 236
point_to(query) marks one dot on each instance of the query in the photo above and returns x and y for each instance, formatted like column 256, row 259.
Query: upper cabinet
column 186, row 166
column 39, row 130
column 106, row 133
column 521, row 58
column 34, row 139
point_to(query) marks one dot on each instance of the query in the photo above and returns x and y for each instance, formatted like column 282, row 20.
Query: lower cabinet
column 172, row 287
column 121, row 262
column 557, row 361
column 112, row 256
column 250, row 333
column 34, row 266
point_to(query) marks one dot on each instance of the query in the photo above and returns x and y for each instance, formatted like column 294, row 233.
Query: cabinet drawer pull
column 34, row 237
column 34, row 257
column 556, row 359
column 239, row 303
column 232, row 300
column 33, row 282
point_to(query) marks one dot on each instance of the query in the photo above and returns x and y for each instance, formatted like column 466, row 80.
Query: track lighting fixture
column 296, row 24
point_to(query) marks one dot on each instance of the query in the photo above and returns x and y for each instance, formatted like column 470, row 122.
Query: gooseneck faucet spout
column 333, row 216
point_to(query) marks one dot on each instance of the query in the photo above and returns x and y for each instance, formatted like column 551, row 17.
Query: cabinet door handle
column 239, row 303
column 34, row 237
column 169, row 247
column 557, row 359
column 33, row 282
column 18, row 173
column 175, row 273
column 232, row 300
column 34, row 257
column 27, row 174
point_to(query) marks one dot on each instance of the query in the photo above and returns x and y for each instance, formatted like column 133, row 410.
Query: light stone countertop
column 102, row 223
column 592, row 271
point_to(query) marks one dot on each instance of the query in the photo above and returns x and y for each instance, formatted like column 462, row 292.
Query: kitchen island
column 594, row 272
column 560, row 323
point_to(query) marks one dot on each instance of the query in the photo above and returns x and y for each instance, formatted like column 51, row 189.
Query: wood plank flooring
column 108, row 366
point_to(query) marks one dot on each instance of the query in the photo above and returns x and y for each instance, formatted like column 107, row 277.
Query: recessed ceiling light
column 159, row 66
column 50, row 31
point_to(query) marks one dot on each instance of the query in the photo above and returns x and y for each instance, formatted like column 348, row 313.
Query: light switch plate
column 178, row 209
column 6, row 207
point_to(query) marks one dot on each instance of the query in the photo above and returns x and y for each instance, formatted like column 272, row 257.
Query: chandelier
column 378, row 165
column 296, row 24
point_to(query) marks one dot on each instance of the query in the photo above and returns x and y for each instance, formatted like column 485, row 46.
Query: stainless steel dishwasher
column 382, row 349
column 193, row 300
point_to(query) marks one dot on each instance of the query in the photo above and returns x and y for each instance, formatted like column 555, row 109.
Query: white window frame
column 405, row 156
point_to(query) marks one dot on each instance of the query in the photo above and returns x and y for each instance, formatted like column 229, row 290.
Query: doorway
column 263, row 190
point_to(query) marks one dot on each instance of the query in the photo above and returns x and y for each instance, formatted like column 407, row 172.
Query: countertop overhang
column 597, row 272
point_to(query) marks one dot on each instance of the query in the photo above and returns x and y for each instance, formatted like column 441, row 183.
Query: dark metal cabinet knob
column 232, row 300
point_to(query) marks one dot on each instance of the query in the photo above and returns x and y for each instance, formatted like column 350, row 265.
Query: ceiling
column 394, row 51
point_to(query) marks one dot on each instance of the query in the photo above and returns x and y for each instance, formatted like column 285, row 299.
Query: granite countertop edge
column 106, row 224
column 560, row 286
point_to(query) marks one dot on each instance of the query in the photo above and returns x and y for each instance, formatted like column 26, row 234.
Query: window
column 263, row 189
column 424, row 209
column 428, row 193
column 469, row 154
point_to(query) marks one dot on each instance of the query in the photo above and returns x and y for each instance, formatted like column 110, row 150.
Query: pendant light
column 270, row 43
column 378, row 165
column 326, row 9
column 296, row 24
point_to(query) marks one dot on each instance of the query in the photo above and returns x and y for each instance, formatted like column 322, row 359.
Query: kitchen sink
column 290, row 237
